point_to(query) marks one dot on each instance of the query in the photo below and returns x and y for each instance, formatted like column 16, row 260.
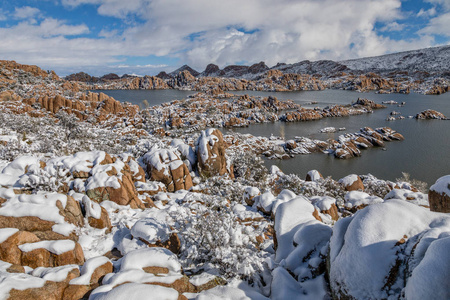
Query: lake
column 425, row 152
column 153, row 97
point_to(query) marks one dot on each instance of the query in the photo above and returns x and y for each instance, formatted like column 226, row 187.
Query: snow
column 202, row 278
column 163, row 159
column 229, row 293
column 150, row 257
column 41, row 205
column 102, row 179
column 14, row 170
column 57, row 247
column 348, row 180
column 417, row 198
column 88, row 270
column 322, row 202
column 265, row 201
column 357, row 198
column 64, row 228
column 80, row 161
column 327, row 130
column 185, row 151
column 289, row 217
column 6, row 233
column 135, row 291
column 430, row 279
column 92, row 208
column 206, row 139
column 363, row 249
column 314, row 175
column 18, row 281
column 151, row 230
column 57, row 274
column 251, row 192
column 284, row 286
column 442, row 186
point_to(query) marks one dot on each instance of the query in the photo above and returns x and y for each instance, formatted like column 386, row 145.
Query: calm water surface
column 425, row 152
column 153, row 97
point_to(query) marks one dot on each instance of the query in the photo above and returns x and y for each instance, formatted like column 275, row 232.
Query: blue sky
column 148, row 36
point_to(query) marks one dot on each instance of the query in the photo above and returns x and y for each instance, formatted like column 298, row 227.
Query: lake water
column 425, row 152
column 153, row 97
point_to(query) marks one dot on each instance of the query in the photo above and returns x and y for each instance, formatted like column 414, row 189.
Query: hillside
column 436, row 59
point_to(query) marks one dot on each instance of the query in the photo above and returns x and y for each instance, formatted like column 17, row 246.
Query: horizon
column 145, row 37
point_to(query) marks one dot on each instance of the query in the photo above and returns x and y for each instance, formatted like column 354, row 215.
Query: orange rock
column 102, row 222
column 9, row 250
column 167, row 167
column 211, row 154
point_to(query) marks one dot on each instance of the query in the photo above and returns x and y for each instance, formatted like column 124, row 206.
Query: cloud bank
column 199, row 32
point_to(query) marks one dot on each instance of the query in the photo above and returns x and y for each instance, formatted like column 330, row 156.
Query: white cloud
column 394, row 26
column 444, row 3
column 25, row 12
column 199, row 32
column 427, row 13
column 75, row 3
column 439, row 25
column 139, row 66
column 2, row 15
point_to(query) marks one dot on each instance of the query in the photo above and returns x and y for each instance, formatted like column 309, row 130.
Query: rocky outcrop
column 167, row 167
column 352, row 183
column 92, row 274
column 313, row 175
column 212, row 160
column 430, row 114
column 369, row 103
column 26, row 249
column 439, row 195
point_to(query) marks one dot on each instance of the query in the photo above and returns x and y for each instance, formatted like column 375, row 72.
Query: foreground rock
column 167, row 167
column 211, row 154
column 370, row 259
column 439, row 195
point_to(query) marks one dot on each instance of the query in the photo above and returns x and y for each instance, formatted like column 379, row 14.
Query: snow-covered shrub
column 249, row 166
column 419, row 185
column 213, row 238
column 320, row 187
column 48, row 181
column 374, row 186
column 226, row 188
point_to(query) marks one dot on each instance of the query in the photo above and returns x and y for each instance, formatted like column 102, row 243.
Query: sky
column 144, row 37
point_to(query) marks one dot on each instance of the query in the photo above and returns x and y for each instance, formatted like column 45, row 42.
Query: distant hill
column 431, row 60
column 184, row 68
column 436, row 59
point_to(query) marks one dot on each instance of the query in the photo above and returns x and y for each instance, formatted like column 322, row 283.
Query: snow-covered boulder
column 390, row 248
column 301, row 250
column 150, row 267
column 212, row 160
column 112, row 180
column 326, row 206
column 352, row 183
column 417, row 198
column 96, row 215
column 156, row 234
column 439, row 195
column 356, row 200
column 313, row 175
column 250, row 193
column 49, row 215
column 166, row 166
column 92, row 273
